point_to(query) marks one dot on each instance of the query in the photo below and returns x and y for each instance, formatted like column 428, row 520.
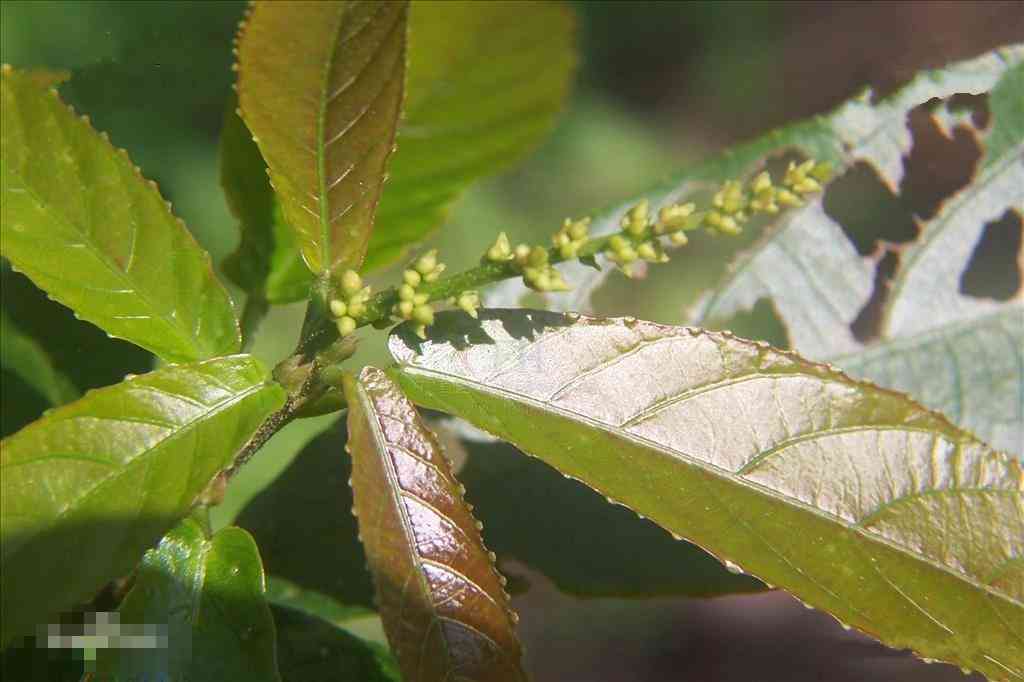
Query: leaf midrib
column 413, row 370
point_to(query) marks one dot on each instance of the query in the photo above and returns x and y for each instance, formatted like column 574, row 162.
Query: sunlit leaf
column 441, row 599
column 82, row 223
column 320, row 86
column 206, row 596
column 851, row 497
column 956, row 353
column 473, row 106
column 103, row 478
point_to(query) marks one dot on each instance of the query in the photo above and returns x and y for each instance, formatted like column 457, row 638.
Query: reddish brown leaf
column 441, row 599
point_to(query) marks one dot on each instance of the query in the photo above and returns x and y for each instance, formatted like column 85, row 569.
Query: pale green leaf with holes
column 961, row 355
column 78, row 218
column 102, row 478
column 852, row 497
column 320, row 86
column 207, row 593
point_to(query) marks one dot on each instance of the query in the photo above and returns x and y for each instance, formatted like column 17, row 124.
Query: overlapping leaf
column 80, row 221
column 852, row 497
column 961, row 355
column 206, row 596
column 472, row 106
column 320, row 86
column 440, row 597
column 102, row 478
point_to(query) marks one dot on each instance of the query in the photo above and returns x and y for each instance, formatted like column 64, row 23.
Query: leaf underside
column 78, row 218
column 851, row 497
column 101, row 479
column 208, row 594
column 440, row 597
column 958, row 354
column 320, row 86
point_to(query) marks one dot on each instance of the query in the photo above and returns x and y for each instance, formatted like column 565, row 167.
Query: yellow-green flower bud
column 356, row 308
column 580, row 229
column 807, row 186
column 764, row 201
column 522, row 254
column 420, row 299
column 420, row 330
column 469, row 301
column 787, row 198
column 730, row 198
column 501, row 250
column 635, row 220
column 426, row 263
column 678, row 238
column 404, row 309
column 435, row 273
column 412, row 278
column 538, row 256
column 674, row 217
column 568, row 251
column 351, row 282
column 338, row 308
column 423, row 314
column 647, row 251
column 729, row 225
column 346, row 325
column 761, row 183
column 406, row 293
column 822, row 172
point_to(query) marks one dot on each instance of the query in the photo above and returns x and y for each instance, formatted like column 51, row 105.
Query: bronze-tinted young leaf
column 82, row 223
column 208, row 594
column 854, row 498
column 440, row 596
column 320, row 86
column 103, row 478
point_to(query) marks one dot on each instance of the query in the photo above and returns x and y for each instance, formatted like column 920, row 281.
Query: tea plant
column 357, row 124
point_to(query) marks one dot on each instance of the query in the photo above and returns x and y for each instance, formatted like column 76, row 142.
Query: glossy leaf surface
column 851, row 497
column 484, row 85
column 103, row 478
column 320, row 86
column 82, row 223
column 957, row 353
column 207, row 593
column 440, row 597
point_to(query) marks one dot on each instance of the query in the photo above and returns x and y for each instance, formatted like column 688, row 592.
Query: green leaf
column 440, row 596
column 303, row 522
column 586, row 546
column 320, row 86
column 958, row 354
column 267, row 263
column 20, row 354
column 206, row 596
column 851, row 497
column 310, row 649
column 473, row 106
column 103, row 478
column 355, row 619
column 80, row 221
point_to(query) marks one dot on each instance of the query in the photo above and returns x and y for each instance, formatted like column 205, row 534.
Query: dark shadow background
column 661, row 84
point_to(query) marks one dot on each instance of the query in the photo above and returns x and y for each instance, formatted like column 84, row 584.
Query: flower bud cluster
column 413, row 304
column 349, row 309
column 571, row 237
column 638, row 239
column 538, row 273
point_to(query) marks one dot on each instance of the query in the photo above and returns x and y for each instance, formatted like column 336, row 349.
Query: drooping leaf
column 205, row 595
column 303, row 523
column 320, row 86
column 441, row 599
column 851, row 497
column 312, row 649
column 101, row 479
column 473, row 105
column 355, row 619
column 22, row 355
column 956, row 353
column 82, row 223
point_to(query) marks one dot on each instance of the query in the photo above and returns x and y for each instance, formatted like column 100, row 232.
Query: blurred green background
column 660, row 85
